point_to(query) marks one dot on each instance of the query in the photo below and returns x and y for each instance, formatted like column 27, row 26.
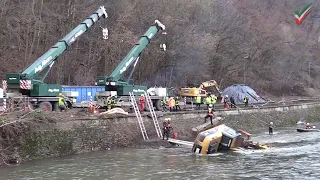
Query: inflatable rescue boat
column 308, row 130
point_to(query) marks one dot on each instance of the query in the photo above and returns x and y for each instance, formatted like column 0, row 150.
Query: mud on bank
column 41, row 135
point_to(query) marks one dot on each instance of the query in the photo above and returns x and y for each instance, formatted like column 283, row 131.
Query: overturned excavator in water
column 223, row 138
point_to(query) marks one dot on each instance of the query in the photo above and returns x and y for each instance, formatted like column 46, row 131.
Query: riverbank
column 43, row 134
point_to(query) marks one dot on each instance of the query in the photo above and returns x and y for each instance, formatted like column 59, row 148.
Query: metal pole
column 309, row 75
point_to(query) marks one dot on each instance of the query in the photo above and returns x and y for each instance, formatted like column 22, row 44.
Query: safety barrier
column 3, row 105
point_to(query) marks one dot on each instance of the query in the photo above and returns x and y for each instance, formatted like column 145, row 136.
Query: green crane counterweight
column 29, row 83
column 113, row 82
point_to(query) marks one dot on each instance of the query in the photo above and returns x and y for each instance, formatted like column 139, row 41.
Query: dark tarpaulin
column 239, row 91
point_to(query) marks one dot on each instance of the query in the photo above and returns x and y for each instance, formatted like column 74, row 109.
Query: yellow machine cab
column 223, row 138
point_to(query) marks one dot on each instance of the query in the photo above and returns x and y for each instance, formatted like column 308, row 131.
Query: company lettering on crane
column 138, row 90
column 53, row 90
column 150, row 35
column 126, row 65
column 43, row 63
column 76, row 36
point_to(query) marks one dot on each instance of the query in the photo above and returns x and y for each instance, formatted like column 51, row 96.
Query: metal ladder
column 153, row 115
column 138, row 115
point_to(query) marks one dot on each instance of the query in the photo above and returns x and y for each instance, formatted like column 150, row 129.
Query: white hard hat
column 271, row 123
column 226, row 95
column 210, row 105
column 308, row 124
column 166, row 119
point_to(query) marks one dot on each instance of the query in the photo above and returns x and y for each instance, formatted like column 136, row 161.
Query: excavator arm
column 132, row 57
column 46, row 60
column 209, row 84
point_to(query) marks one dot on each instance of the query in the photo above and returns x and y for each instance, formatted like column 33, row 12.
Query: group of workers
column 173, row 103
column 231, row 102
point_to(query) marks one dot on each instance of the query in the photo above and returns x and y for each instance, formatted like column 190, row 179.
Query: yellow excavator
column 194, row 92
column 223, row 138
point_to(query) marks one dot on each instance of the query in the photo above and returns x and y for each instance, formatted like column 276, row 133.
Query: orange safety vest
column 171, row 102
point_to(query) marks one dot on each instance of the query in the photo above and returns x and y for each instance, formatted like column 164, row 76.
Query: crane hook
column 105, row 33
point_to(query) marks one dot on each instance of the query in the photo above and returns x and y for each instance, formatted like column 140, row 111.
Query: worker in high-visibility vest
column 61, row 103
column 109, row 103
column 171, row 103
column 198, row 101
column 246, row 101
column 208, row 101
column 164, row 104
column 213, row 101
column 113, row 102
column 177, row 103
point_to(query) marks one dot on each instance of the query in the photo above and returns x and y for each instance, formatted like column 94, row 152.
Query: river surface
column 293, row 156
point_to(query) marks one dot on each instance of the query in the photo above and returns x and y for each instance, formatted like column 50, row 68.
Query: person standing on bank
column 246, row 101
column 232, row 103
column 198, row 102
column 61, row 102
column 210, row 114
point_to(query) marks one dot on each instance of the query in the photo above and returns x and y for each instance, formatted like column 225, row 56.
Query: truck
column 118, row 86
column 28, row 88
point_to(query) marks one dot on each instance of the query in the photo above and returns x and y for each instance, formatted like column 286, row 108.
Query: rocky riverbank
column 41, row 135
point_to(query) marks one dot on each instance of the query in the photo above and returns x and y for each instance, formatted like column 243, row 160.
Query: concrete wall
column 78, row 135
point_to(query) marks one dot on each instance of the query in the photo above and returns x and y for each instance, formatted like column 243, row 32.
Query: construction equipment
column 194, row 92
column 30, row 83
column 223, row 138
column 138, row 115
column 116, row 85
column 153, row 115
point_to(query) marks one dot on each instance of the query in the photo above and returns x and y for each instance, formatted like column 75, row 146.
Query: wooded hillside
column 249, row 41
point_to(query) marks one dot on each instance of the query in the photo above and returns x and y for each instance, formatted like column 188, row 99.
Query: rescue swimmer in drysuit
column 166, row 128
column 271, row 128
column 210, row 114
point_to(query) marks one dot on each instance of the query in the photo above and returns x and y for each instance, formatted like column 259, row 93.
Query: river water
column 293, row 156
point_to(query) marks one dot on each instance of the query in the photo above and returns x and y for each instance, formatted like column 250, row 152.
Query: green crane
column 30, row 82
column 113, row 82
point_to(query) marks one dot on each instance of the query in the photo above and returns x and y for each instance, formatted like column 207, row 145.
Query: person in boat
column 271, row 128
column 308, row 126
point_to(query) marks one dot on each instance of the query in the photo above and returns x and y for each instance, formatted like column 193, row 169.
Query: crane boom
column 46, row 60
column 62, row 45
column 132, row 56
